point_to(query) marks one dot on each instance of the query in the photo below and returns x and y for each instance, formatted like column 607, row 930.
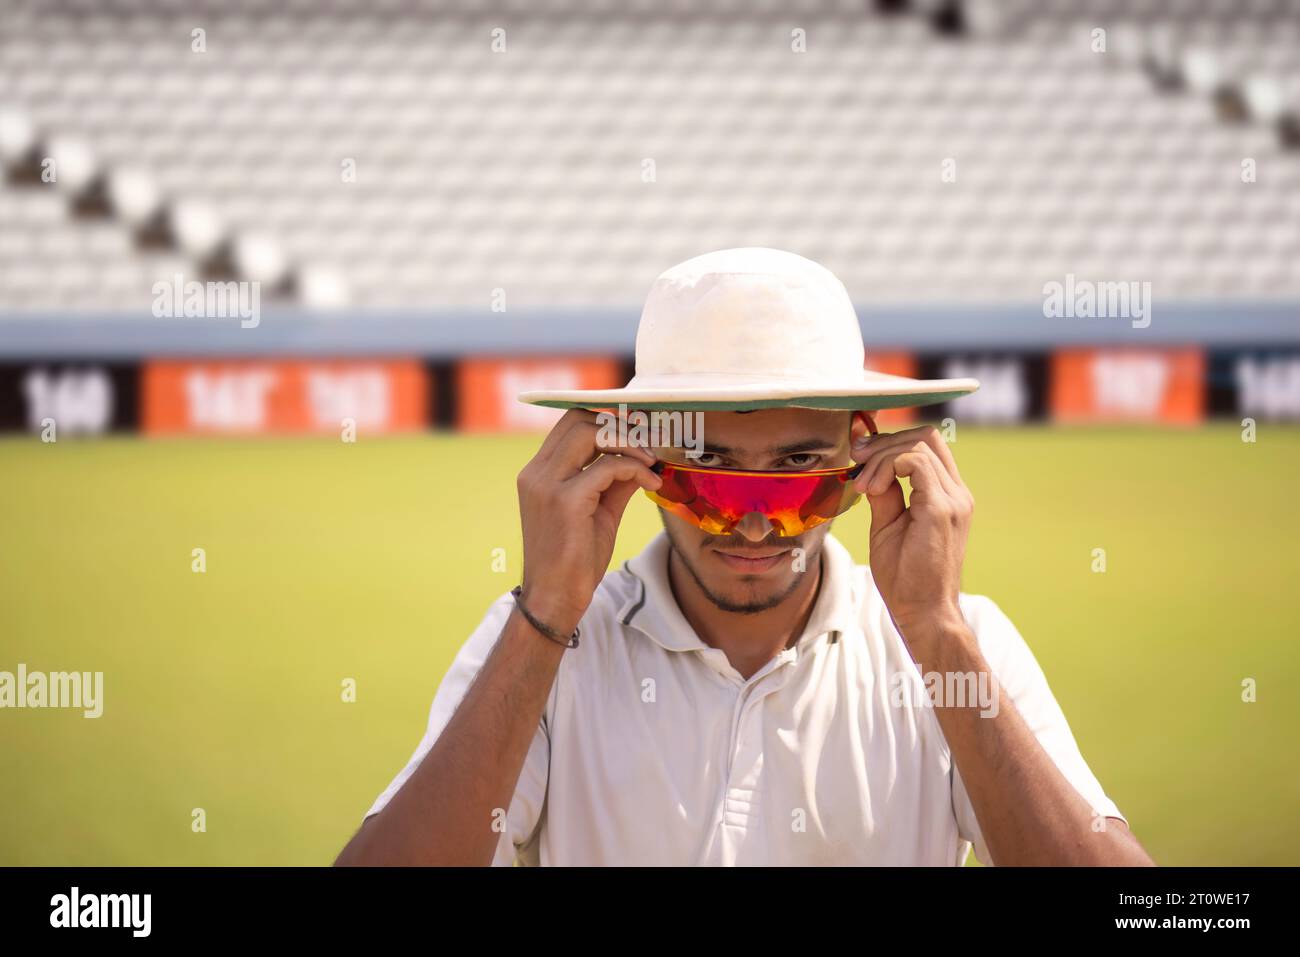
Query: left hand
column 917, row 547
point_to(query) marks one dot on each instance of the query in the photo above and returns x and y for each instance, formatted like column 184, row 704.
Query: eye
column 705, row 460
column 802, row 460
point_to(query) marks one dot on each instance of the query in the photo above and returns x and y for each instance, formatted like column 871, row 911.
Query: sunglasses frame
column 852, row 470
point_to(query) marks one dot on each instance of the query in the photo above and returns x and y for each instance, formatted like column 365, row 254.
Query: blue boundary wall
column 454, row 333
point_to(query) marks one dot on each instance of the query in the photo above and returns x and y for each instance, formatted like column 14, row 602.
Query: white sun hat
column 752, row 328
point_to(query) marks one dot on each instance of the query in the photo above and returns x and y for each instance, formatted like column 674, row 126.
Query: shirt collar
column 653, row 610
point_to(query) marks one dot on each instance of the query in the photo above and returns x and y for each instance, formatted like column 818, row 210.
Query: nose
column 754, row 527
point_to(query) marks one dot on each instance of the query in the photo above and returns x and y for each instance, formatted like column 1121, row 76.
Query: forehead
column 768, row 429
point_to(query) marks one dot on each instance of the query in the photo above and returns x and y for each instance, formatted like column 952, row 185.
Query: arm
column 572, row 496
column 445, row 811
column 1028, row 811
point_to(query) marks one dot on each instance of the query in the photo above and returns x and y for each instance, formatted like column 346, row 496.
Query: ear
column 862, row 423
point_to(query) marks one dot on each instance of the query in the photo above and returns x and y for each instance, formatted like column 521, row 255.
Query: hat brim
column 874, row 391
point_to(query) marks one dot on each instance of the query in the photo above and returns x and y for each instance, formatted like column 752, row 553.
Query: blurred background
column 272, row 273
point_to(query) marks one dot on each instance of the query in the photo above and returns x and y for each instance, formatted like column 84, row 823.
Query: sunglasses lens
column 717, row 502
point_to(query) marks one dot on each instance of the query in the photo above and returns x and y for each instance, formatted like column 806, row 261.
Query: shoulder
column 986, row 617
column 1003, row 646
column 992, row 626
column 602, row 627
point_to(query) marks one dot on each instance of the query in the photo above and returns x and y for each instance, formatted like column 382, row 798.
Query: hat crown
column 757, row 312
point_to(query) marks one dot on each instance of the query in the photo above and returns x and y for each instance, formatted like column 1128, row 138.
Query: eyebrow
column 807, row 445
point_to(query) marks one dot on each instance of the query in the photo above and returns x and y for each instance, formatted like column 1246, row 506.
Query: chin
column 748, row 593
column 746, row 603
column 733, row 583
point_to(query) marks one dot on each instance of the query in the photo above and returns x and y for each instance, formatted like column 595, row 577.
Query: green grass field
column 328, row 561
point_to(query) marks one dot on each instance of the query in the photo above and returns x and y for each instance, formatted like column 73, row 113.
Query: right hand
column 572, row 495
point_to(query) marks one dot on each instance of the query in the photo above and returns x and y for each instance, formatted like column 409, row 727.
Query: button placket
column 746, row 755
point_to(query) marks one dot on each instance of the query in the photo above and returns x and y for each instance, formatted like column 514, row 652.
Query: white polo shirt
column 653, row 750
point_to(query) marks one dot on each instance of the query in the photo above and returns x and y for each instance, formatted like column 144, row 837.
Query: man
column 741, row 692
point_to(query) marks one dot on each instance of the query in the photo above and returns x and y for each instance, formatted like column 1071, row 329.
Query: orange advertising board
column 1128, row 385
column 893, row 363
column 487, row 389
column 250, row 397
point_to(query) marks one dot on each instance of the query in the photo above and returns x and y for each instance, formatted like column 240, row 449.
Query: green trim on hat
column 866, row 402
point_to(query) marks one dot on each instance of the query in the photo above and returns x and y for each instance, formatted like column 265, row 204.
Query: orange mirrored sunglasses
column 793, row 502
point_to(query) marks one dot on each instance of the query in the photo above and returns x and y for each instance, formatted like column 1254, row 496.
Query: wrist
column 930, row 615
column 552, row 611
column 928, row 627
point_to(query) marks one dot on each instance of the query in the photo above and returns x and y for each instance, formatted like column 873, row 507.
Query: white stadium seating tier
column 387, row 149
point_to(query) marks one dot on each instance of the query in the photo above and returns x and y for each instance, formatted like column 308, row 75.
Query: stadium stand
column 406, row 156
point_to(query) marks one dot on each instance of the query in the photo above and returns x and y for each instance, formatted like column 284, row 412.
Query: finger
column 608, row 434
column 928, row 434
column 866, row 455
column 611, row 435
column 934, row 438
column 886, row 507
column 878, row 469
column 616, row 497
column 638, row 452
column 585, row 443
column 592, row 483
column 599, row 448
column 858, row 448
column 922, row 469
column 883, row 469
column 560, row 429
column 876, row 446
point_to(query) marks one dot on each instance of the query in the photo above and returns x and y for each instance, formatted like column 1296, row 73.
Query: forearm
column 444, row 814
column 1028, row 811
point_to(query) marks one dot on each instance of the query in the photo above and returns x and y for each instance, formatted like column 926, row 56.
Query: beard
column 750, row 606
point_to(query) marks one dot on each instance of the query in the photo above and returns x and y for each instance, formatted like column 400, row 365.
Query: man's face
column 753, row 569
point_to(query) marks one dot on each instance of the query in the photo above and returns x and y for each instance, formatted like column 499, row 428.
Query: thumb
column 886, row 507
column 616, row 497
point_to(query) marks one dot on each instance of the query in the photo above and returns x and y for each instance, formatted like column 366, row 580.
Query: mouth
column 752, row 561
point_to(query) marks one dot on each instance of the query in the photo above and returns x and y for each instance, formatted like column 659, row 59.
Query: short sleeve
column 525, row 811
column 1018, row 672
